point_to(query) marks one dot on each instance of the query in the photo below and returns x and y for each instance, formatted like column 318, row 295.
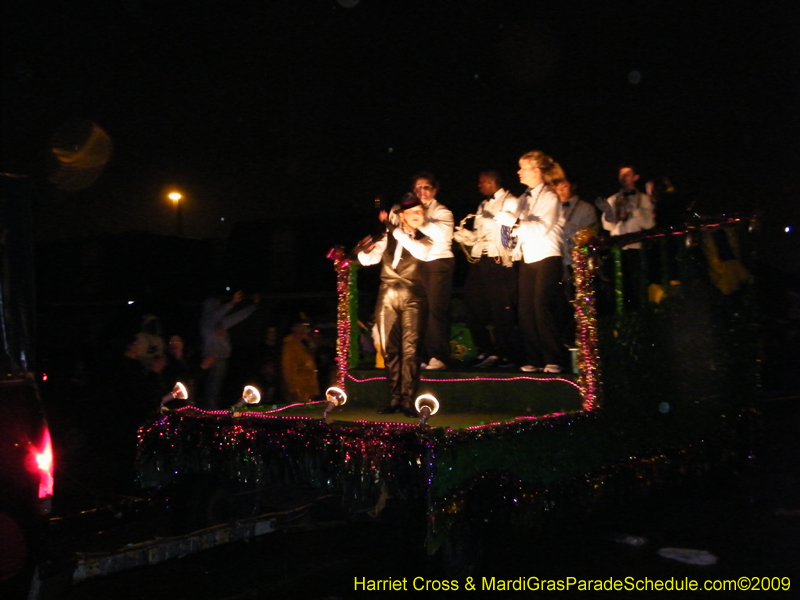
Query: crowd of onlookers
column 289, row 365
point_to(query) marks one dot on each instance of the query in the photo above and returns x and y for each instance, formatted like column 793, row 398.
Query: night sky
column 259, row 110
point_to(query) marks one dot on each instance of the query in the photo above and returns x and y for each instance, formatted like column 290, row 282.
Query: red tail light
column 44, row 465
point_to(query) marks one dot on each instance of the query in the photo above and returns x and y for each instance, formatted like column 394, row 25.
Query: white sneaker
column 478, row 360
column 529, row 369
column 435, row 364
column 487, row 362
column 552, row 369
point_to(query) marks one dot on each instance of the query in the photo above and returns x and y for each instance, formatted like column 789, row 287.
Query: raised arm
column 372, row 256
column 439, row 225
column 418, row 247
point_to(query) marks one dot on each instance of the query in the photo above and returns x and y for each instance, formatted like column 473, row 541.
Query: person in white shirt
column 400, row 307
column 437, row 272
column 537, row 223
column 629, row 211
column 491, row 285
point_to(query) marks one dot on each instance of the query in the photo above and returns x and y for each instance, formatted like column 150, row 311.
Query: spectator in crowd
column 132, row 392
column 151, row 342
column 298, row 364
column 180, row 366
column 215, row 322
column 268, row 364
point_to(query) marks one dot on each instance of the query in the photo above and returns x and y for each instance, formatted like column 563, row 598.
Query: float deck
column 467, row 398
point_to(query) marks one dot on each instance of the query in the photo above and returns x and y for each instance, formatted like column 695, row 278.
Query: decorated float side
column 660, row 393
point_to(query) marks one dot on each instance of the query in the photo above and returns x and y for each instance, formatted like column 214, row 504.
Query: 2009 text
column 539, row 584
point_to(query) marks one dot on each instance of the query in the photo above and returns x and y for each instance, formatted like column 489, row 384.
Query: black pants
column 539, row 296
column 491, row 299
column 437, row 276
column 398, row 314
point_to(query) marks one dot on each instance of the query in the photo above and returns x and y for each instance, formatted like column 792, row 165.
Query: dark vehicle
column 26, row 456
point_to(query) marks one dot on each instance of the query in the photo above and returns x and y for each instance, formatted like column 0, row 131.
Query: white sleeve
column 418, row 248
column 511, row 204
column 607, row 215
column 373, row 257
column 439, row 225
column 506, row 218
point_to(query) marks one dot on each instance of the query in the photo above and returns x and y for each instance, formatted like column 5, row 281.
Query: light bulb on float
column 250, row 395
column 427, row 405
column 179, row 392
column 334, row 397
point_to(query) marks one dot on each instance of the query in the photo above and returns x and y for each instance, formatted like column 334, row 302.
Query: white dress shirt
column 405, row 239
column 486, row 237
column 640, row 215
column 438, row 226
column 539, row 225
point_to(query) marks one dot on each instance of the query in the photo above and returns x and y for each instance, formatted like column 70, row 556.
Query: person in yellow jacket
column 299, row 366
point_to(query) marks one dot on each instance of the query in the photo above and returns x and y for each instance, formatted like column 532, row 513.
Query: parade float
column 659, row 394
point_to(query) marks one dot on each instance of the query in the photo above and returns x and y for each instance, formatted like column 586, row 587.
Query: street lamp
column 176, row 200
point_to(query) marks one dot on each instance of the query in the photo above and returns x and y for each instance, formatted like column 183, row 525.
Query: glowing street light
column 176, row 198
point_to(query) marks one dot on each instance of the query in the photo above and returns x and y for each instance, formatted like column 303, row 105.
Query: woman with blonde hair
column 538, row 231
